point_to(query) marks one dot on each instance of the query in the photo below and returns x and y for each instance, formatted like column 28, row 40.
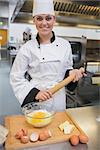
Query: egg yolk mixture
column 38, row 117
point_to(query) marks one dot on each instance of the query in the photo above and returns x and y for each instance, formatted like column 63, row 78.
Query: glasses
column 47, row 18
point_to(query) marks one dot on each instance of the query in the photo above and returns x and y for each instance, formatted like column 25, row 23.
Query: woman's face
column 44, row 24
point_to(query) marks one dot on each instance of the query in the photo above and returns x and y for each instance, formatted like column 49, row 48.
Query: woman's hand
column 79, row 73
column 43, row 95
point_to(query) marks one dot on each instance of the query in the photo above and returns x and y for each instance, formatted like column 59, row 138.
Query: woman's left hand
column 79, row 73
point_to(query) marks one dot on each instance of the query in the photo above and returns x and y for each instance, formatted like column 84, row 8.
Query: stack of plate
column 3, row 134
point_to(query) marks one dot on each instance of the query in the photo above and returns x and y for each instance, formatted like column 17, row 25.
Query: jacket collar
column 51, row 40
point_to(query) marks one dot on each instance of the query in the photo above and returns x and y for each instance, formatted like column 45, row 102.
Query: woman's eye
column 48, row 18
column 39, row 18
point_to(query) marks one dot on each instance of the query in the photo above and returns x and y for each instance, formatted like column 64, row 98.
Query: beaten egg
column 39, row 118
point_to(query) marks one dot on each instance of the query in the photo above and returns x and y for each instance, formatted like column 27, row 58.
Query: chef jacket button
column 56, row 45
column 43, row 58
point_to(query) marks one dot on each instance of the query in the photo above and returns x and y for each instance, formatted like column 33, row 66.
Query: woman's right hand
column 43, row 95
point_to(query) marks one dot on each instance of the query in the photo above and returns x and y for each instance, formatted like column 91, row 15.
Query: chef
column 27, row 35
column 46, row 59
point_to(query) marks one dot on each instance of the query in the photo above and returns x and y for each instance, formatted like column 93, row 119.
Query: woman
column 46, row 58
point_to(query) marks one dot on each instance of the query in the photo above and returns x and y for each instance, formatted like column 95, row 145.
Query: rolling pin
column 61, row 84
column 64, row 82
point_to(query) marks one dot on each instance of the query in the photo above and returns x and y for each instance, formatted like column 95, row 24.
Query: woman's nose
column 44, row 21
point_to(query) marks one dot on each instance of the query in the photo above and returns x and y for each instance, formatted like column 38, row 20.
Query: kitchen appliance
column 86, row 93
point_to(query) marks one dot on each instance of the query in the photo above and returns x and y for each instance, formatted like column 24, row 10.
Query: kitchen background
column 77, row 21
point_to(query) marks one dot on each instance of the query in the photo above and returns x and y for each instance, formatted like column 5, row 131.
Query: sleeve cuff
column 67, row 73
column 30, row 97
column 72, row 85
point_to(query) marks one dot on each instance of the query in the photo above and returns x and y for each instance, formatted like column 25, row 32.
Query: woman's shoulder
column 62, row 39
column 28, row 46
column 29, row 43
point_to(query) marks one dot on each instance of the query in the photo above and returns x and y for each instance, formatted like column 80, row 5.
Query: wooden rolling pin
column 61, row 84
column 64, row 82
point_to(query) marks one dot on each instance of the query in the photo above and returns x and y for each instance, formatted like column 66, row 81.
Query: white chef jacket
column 46, row 66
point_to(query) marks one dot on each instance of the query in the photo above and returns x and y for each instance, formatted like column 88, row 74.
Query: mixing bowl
column 38, row 114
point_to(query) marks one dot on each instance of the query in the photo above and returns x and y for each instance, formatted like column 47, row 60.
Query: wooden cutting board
column 16, row 122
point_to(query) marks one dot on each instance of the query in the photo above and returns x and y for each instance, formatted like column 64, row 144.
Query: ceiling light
column 88, row 26
column 1, row 23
